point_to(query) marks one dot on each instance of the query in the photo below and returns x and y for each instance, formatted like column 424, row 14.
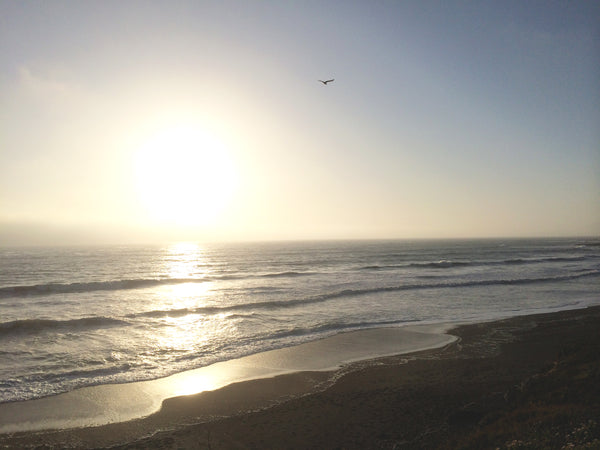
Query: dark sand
column 525, row 382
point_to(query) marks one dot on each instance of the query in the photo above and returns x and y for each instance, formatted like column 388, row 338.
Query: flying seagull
column 327, row 81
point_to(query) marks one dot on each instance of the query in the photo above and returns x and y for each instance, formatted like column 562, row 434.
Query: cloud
column 51, row 85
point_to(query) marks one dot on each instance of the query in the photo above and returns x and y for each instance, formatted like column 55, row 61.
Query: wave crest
column 274, row 304
column 36, row 326
column 448, row 264
column 118, row 285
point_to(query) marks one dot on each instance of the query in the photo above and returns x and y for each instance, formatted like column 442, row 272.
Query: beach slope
column 525, row 382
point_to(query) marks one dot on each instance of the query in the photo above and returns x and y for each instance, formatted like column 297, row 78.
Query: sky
column 144, row 121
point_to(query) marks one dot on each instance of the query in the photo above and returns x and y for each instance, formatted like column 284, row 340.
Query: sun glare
column 184, row 176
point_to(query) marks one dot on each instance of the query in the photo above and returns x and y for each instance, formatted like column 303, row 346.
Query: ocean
column 79, row 316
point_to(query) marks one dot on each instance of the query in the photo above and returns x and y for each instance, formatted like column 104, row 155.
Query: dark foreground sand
column 526, row 382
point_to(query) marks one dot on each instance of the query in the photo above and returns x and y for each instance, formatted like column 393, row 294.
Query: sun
column 184, row 176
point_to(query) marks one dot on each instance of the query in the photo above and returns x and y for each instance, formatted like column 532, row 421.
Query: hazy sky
column 126, row 120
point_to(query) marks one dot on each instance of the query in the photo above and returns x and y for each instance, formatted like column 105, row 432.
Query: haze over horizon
column 151, row 121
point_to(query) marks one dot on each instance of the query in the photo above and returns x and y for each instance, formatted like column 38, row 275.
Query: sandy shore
column 525, row 382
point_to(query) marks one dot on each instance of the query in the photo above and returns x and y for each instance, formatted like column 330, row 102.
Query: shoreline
column 289, row 408
column 103, row 404
column 116, row 403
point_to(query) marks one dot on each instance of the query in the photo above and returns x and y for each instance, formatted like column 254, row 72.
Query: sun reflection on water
column 188, row 331
column 186, row 260
column 192, row 383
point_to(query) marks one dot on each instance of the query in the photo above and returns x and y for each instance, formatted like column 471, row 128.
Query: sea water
column 78, row 316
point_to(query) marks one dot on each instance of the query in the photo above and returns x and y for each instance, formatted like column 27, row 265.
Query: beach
column 299, row 225
column 523, row 382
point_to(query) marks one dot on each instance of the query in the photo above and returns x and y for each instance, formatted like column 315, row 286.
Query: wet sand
column 524, row 382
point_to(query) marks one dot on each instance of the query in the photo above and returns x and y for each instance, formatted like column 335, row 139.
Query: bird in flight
column 326, row 81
